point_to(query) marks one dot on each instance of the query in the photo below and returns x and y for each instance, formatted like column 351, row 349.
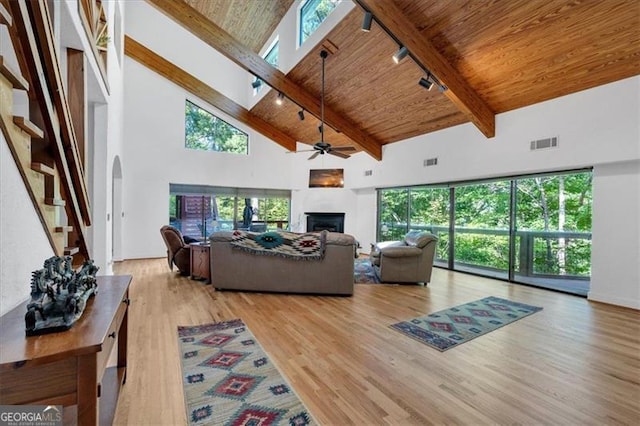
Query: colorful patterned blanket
column 291, row 245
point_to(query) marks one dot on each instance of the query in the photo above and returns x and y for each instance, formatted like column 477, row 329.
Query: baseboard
column 605, row 298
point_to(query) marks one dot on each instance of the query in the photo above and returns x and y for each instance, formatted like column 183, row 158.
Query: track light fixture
column 400, row 54
column 280, row 98
column 256, row 83
column 366, row 22
column 301, row 115
column 427, row 82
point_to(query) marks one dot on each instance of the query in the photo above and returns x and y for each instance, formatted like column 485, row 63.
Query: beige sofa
column 406, row 261
column 235, row 269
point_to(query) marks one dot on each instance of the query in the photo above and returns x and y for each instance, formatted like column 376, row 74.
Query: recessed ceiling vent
column 430, row 162
column 544, row 143
column 368, row 172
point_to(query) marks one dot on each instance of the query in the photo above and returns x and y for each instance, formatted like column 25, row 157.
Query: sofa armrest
column 401, row 252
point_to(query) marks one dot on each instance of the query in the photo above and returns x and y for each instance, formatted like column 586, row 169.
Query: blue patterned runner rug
column 451, row 327
column 229, row 380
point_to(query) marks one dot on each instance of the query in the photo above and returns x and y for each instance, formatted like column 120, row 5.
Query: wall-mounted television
column 326, row 178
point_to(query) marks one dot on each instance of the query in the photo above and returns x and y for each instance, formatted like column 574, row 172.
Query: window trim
column 300, row 26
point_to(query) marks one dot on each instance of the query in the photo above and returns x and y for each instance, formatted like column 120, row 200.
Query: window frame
column 301, row 11
column 513, row 230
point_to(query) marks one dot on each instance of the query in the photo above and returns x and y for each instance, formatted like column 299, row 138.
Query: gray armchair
column 406, row 261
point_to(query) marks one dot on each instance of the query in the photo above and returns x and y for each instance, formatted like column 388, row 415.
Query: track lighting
column 400, row 54
column 256, row 83
column 280, row 98
column 301, row 115
column 366, row 22
column 427, row 83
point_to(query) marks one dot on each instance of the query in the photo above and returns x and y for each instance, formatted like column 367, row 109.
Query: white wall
column 23, row 242
column 154, row 138
column 151, row 28
column 616, row 234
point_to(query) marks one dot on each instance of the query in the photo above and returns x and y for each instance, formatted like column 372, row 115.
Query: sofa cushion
column 397, row 252
column 418, row 238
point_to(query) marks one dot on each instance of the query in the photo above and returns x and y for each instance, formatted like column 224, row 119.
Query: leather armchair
column 178, row 251
column 409, row 260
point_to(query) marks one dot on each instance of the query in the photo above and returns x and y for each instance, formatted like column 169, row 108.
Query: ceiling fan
column 321, row 147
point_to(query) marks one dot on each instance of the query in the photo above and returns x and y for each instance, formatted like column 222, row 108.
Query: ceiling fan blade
column 343, row 148
column 302, row 150
column 314, row 155
column 338, row 153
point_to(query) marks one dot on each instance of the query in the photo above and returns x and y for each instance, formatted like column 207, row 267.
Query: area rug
column 229, row 380
column 363, row 272
column 451, row 327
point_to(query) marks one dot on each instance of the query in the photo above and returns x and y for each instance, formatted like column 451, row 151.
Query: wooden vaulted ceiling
column 494, row 56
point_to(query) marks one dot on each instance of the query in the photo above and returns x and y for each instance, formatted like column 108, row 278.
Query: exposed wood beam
column 190, row 83
column 388, row 14
column 216, row 37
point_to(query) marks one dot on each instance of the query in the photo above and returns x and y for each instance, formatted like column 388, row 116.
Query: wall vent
column 430, row 162
column 368, row 172
column 544, row 143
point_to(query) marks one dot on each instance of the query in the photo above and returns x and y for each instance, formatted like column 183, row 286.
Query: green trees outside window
column 198, row 215
column 312, row 14
column 531, row 229
column 207, row 132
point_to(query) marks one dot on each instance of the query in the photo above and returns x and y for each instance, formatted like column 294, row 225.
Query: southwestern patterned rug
column 451, row 327
column 363, row 272
column 229, row 380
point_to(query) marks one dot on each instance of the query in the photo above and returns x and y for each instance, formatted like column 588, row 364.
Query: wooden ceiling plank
column 458, row 90
column 170, row 71
column 220, row 40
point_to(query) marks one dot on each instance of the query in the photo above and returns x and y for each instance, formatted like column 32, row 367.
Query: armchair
column 178, row 251
column 409, row 260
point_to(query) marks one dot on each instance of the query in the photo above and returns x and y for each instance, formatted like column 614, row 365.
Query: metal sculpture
column 59, row 295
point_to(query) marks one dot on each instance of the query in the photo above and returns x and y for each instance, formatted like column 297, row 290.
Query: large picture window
column 199, row 210
column 312, row 14
column 207, row 132
column 531, row 229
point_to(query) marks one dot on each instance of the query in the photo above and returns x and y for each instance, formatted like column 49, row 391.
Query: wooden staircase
column 43, row 145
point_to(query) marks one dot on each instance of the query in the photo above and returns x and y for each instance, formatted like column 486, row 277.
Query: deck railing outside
column 542, row 254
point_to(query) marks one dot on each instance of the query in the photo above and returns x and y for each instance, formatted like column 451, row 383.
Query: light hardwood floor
column 575, row 362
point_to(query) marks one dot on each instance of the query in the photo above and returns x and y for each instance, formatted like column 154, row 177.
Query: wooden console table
column 200, row 261
column 70, row 367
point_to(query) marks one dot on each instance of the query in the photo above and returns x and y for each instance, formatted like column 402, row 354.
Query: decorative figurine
column 59, row 295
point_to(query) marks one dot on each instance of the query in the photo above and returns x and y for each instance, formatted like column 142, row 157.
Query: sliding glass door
column 393, row 214
column 553, row 237
column 199, row 210
column 429, row 211
column 532, row 229
column 481, row 242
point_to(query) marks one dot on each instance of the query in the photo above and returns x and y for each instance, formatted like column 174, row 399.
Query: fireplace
column 333, row 222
